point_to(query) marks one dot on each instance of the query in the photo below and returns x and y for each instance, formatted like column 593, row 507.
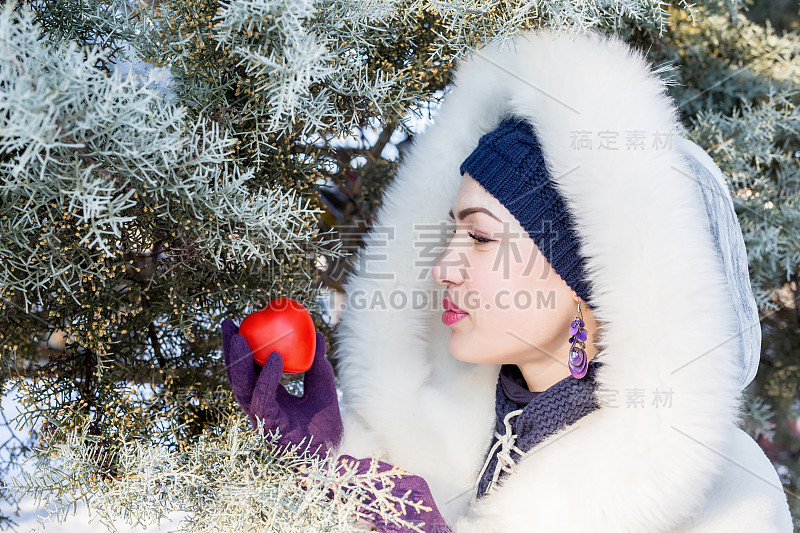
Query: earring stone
column 577, row 361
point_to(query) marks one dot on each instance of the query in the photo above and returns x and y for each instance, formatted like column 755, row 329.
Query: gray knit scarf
column 524, row 418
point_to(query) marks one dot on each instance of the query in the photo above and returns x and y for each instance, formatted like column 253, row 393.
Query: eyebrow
column 464, row 213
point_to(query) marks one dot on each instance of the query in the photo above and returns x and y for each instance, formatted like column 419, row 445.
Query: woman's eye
column 478, row 238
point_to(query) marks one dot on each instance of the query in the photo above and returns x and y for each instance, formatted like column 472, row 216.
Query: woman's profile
column 556, row 329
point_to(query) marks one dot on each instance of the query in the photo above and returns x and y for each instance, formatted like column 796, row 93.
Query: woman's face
column 519, row 308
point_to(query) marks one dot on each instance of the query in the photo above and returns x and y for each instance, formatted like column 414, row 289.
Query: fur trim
column 658, row 288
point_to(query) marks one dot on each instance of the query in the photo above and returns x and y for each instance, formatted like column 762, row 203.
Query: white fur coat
column 659, row 289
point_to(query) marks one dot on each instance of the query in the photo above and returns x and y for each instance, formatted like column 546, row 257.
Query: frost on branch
column 221, row 483
column 87, row 153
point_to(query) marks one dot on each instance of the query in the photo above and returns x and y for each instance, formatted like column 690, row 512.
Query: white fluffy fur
column 658, row 289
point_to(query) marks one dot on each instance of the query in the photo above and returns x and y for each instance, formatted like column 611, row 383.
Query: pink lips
column 452, row 313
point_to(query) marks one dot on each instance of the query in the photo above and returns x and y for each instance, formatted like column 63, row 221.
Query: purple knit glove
column 315, row 416
column 428, row 521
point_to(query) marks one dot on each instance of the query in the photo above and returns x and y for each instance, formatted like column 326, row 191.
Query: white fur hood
column 667, row 279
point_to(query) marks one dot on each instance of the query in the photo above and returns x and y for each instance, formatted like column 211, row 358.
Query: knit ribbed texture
column 508, row 162
column 560, row 405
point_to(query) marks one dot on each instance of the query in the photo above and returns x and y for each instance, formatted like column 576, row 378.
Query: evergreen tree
column 133, row 223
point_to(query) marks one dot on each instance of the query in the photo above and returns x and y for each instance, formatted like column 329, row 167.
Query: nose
column 449, row 268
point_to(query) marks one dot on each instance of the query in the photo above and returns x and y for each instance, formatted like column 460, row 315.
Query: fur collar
column 659, row 288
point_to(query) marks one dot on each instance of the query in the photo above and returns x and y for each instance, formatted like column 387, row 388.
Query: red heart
column 283, row 325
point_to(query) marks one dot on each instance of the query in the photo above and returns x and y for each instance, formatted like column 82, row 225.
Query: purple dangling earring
column 577, row 356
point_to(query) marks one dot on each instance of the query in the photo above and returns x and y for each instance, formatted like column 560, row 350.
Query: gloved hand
column 262, row 396
column 428, row 520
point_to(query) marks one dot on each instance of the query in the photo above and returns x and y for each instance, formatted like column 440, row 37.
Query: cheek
column 523, row 280
column 537, row 278
column 512, row 279
column 526, row 295
column 499, row 292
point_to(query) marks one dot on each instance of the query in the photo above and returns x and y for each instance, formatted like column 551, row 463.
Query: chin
column 456, row 348
column 462, row 349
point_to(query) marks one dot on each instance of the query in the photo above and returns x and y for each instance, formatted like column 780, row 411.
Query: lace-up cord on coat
column 504, row 460
column 544, row 414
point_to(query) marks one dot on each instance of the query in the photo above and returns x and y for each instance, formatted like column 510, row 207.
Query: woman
column 599, row 210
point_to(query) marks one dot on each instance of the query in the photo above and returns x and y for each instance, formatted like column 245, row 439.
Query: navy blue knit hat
column 508, row 163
